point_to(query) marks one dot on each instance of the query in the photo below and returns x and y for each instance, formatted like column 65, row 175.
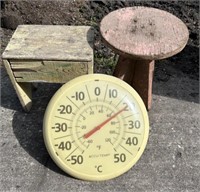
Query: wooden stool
column 45, row 53
column 141, row 35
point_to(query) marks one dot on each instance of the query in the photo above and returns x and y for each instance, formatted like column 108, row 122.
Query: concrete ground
column 170, row 163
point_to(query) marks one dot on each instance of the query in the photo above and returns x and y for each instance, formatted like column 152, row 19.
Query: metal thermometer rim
column 58, row 95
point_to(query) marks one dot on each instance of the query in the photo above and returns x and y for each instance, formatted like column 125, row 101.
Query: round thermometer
column 96, row 127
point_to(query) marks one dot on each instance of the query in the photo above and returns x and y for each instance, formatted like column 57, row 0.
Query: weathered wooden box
column 47, row 53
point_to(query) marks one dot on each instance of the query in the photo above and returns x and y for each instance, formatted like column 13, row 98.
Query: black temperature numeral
column 79, row 96
column 60, row 127
column 134, row 124
column 97, row 91
column 65, row 109
column 132, row 141
column 65, row 145
column 76, row 159
column 112, row 93
column 119, row 157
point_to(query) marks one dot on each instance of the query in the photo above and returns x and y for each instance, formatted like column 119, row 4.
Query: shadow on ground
column 27, row 127
column 176, row 77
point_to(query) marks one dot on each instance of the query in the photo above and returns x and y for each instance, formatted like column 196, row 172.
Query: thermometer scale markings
column 102, row 127
column 88, row 134
column 128, row 116
column 121, row 100
column 105, row 92
column 88, row 92
column 62, row 137
column 113, row 146
column 63, row 118
column 72, row 152
column 129, row 132
column 73, row 102
column 125, row 149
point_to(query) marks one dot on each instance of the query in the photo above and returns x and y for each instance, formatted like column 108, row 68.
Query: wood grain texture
column 48, row 71
column 51, row 42
column 138, row 74
column 143, row 80
column 23, row 90
column 47, row 53
column 144, row 33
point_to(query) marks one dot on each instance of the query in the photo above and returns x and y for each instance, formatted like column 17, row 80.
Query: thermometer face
column 96, row 127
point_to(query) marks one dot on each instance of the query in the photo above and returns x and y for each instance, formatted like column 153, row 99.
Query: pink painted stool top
column 144, row 33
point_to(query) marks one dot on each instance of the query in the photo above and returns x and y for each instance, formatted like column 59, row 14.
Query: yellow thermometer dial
column 96, row 127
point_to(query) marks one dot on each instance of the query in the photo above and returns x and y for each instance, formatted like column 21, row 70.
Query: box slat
column 48, row 71
column 47, row 53
column 51, row 42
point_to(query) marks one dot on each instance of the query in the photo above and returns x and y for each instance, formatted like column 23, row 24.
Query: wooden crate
column 47, row 53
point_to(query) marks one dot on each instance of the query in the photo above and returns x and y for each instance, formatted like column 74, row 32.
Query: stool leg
column 23, row 90
column 143, row 79
column 139, row 74
column 124, row 69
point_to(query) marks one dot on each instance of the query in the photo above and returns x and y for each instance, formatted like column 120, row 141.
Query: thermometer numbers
column 65, row 109
column 79, row 96
column 132, row 141
column 96, row 128
column 119, row 157
column 64, row 145
column 60, row 127
column 101, row 102
column 134, row 124
column 97, row 91
column 76, row 159
column 113, row 93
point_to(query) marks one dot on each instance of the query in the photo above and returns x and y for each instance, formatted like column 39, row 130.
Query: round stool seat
column 144, row 33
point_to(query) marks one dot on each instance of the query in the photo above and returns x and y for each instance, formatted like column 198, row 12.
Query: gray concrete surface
column 171, row 161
